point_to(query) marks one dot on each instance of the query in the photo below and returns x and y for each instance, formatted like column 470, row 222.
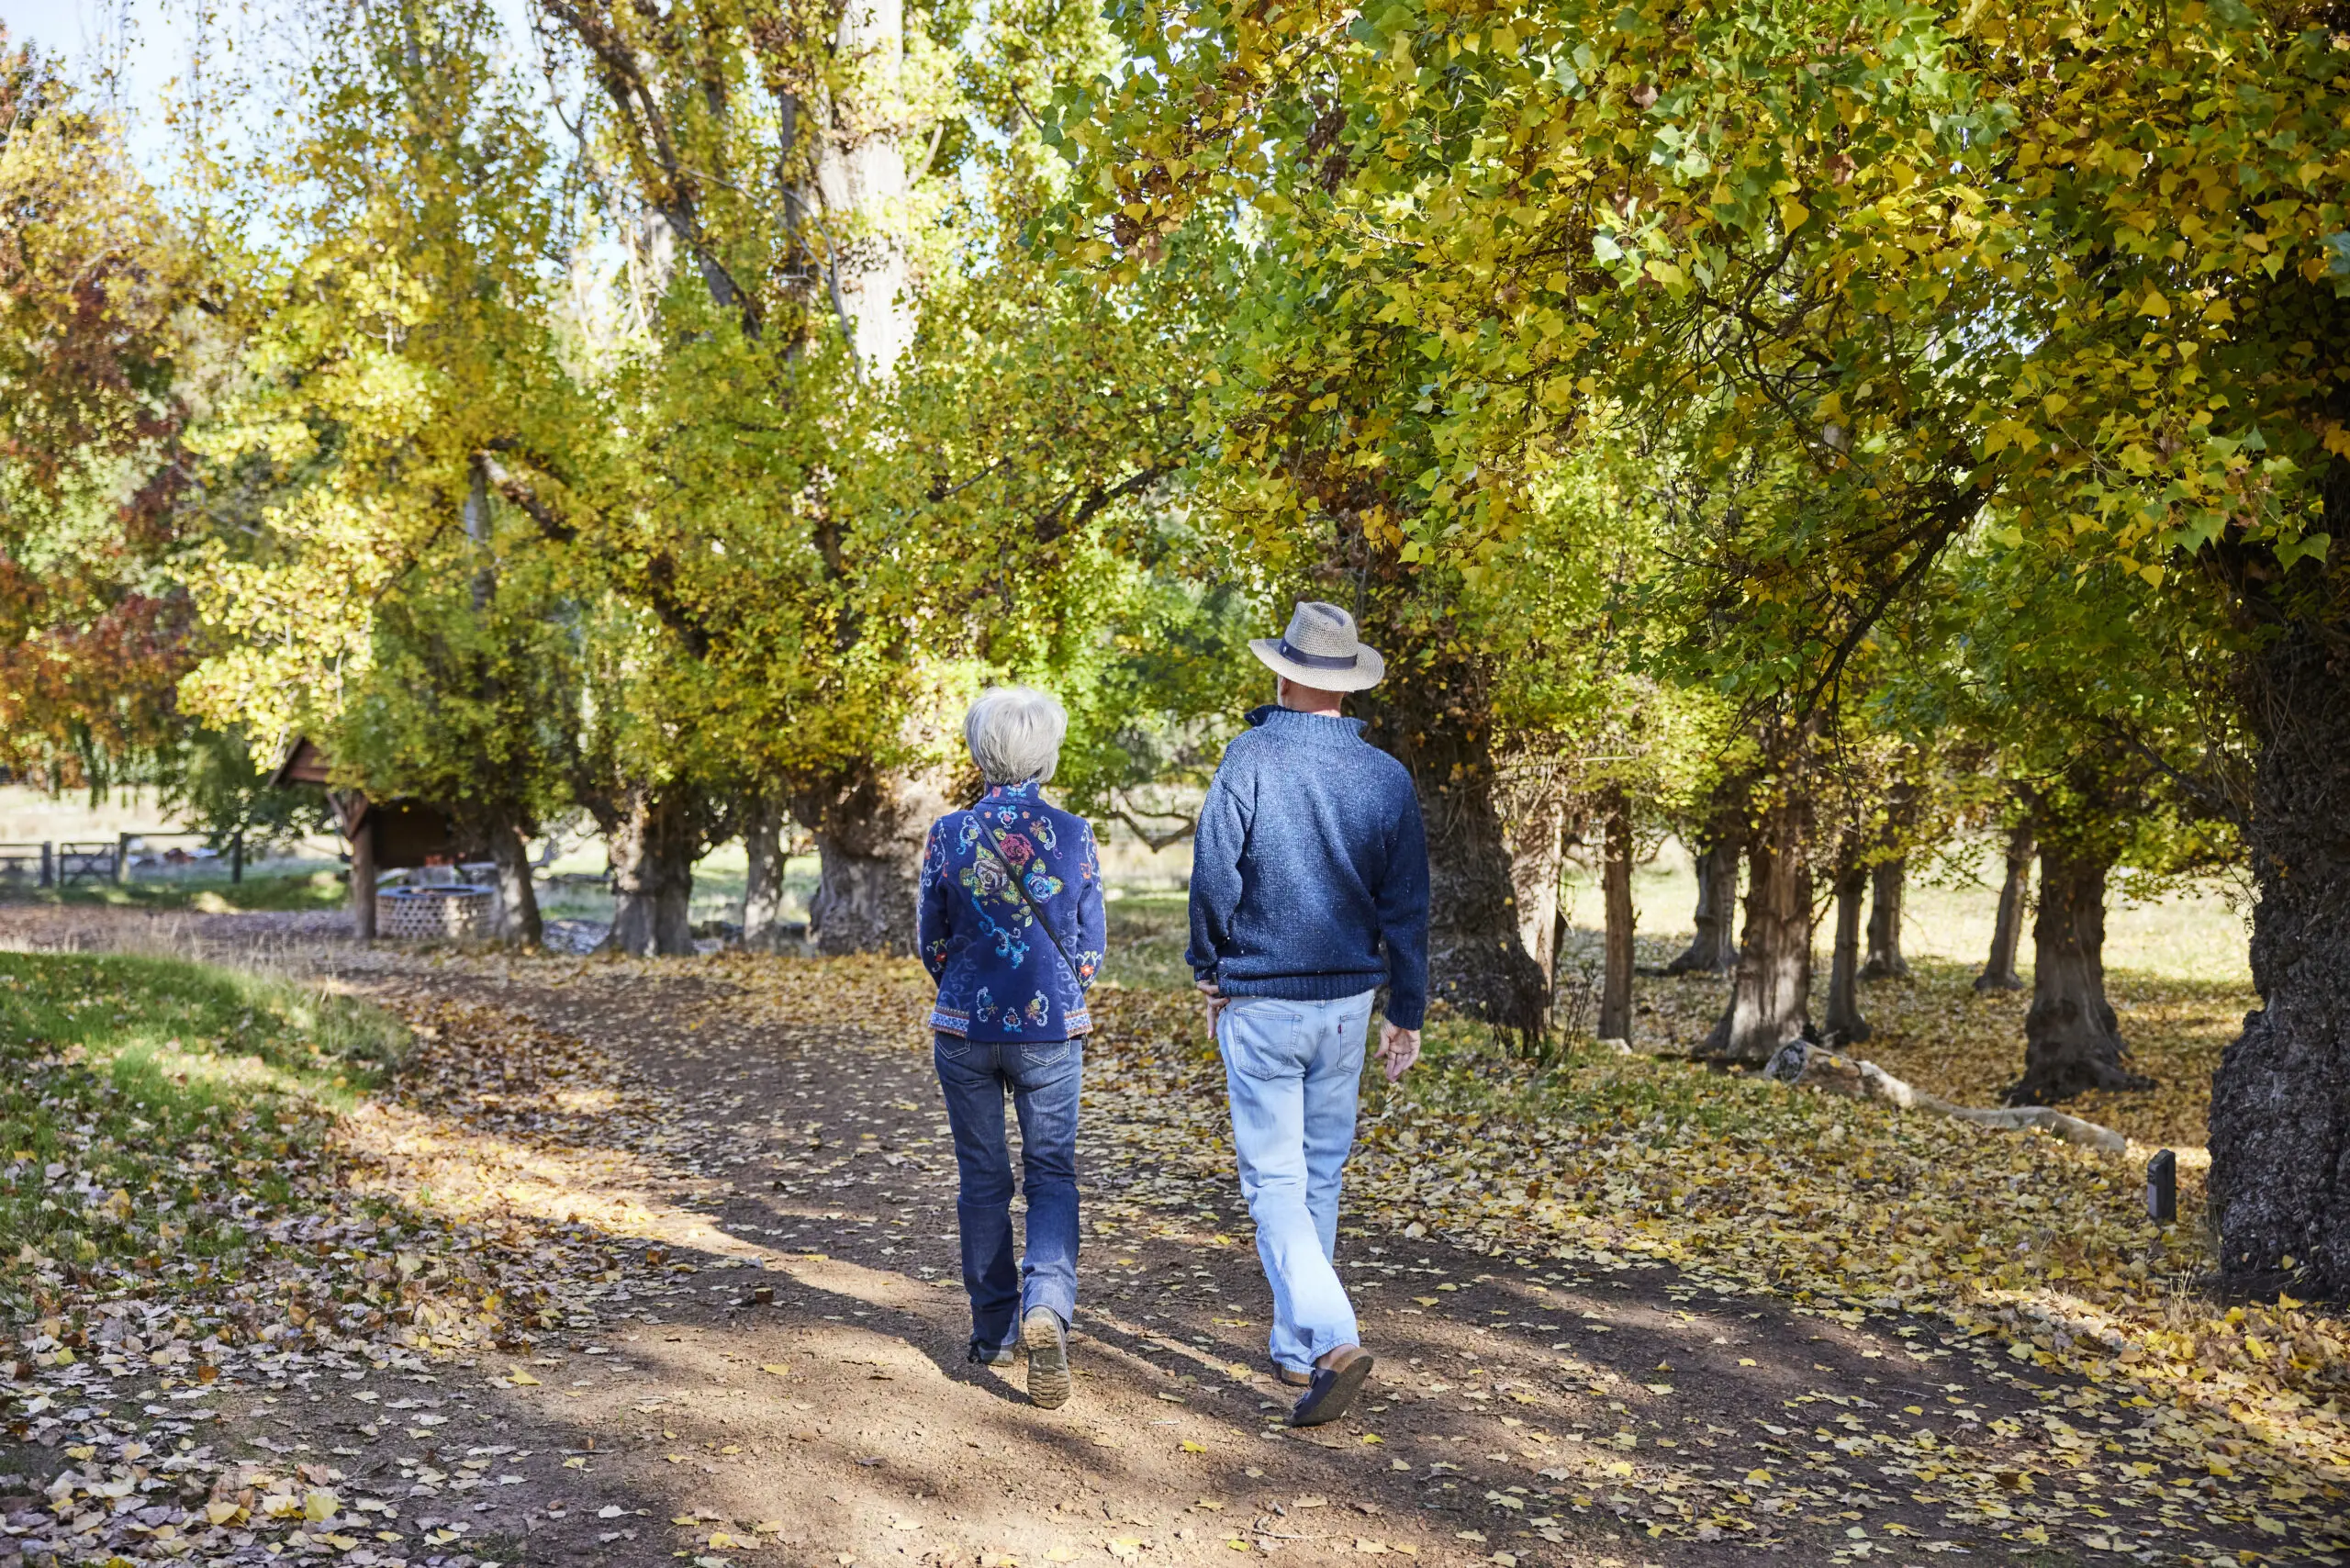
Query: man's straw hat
column 1320, row 650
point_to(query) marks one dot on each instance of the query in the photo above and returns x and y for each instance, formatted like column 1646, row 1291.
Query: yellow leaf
column 520, row 1378
column 318, row 1505
column 778, row 1370
column 2153, row 305
column 1191, row 1447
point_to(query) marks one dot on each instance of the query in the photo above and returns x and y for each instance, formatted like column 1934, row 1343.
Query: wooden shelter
column 383, row 836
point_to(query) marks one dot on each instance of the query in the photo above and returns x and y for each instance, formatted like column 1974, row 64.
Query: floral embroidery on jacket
column 980, row 926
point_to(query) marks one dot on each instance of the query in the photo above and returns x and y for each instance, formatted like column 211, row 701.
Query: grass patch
column 149, row 1106
column 206, row 895
column 1148, row 931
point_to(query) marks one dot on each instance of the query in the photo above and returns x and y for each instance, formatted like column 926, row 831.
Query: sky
column 144, row 46
column 143, row 42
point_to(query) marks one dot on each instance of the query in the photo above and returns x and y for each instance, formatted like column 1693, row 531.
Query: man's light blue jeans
column 1294, row 1069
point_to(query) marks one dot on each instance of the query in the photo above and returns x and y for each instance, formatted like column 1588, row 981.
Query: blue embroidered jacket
column 999, row 977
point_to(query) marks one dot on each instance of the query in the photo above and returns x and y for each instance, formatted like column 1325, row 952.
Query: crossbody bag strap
column 1021, row 888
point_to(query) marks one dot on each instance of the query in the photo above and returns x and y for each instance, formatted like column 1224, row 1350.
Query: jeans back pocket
column 1263, row 1039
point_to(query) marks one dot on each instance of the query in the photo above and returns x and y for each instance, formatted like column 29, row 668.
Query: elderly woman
column 1011, row 929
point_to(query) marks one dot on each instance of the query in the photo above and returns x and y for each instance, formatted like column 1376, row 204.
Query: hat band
column 1317, row 661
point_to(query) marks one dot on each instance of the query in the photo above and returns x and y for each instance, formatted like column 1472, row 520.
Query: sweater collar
column 1305, row 726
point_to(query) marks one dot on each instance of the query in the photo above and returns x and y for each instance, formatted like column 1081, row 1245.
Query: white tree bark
column 861, row 183
column 1798, row 1062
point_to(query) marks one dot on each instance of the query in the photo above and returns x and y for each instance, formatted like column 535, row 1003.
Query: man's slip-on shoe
column 1337, row 1378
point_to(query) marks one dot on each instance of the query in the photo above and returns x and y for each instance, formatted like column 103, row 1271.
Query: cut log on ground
column 1803, row 1064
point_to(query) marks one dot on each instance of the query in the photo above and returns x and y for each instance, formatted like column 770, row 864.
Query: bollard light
column 2162, row 1188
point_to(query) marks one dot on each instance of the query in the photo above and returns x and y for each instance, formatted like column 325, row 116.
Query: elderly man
column 1309, row 890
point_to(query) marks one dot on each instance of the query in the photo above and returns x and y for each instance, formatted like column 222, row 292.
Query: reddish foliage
column 91, row 281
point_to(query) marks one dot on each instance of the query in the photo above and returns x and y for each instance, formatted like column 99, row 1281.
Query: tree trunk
column 362, row 880
column 1436, row 719
column 654, row 842
column 1886, row 884
column 2280, row 1101
column 1615, row 890
column 2071, row 1043
column 1770, row 1001
column 869, row 826
column 861, row 181
column 1845, row 1025
column 518, row 899
column 1999, row 968
column 1714, row 949
column 1537, row 837
column 766, row 827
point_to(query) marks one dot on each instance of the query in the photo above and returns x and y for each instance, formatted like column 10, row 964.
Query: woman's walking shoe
column 1048, row 1344
column 1337, row 1378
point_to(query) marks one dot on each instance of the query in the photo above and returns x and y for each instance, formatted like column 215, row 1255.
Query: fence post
column 48, row 864
column 237, row 856
column 122, row 856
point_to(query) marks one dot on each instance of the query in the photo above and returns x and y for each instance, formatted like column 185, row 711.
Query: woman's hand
column 1398, row 1050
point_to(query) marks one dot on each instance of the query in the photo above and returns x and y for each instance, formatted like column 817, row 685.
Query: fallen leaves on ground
column 518, row 1185
column 2035, row 1256
column 1935, row 1030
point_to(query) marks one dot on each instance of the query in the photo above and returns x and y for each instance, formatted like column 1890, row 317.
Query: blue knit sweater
column 1310, row 869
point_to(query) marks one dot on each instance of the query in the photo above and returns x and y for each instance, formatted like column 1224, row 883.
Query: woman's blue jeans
column 1042, row 1077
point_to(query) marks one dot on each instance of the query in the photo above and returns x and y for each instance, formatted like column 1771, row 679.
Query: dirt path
column 810, row 1400
column 742, row 1343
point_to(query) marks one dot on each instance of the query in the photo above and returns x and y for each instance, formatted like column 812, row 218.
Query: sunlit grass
column 210, row 894
column 139, row 1091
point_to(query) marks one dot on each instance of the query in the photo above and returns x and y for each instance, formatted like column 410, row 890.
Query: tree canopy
column 1824, row 431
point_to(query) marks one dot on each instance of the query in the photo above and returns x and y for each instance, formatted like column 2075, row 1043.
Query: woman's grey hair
column 1014, row 734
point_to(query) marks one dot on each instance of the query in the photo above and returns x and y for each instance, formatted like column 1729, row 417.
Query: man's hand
column 1217, row 1002
column 1398, row 1050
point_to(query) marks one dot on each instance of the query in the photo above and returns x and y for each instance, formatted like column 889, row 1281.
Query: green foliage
column 217, row 786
